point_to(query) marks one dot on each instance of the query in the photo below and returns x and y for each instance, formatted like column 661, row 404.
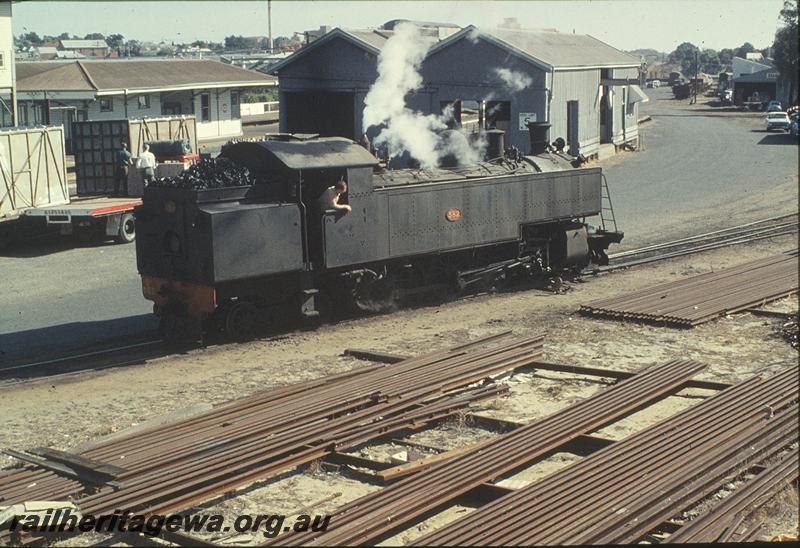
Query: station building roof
column 114, row 77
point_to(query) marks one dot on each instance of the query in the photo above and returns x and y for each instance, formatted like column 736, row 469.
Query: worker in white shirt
column 147, row 165
column 330, row 198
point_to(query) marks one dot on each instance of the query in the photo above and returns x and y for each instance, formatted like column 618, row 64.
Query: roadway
column 701, row 168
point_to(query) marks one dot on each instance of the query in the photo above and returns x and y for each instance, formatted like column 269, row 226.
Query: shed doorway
column 606, row 117
column 573, row 128
column 330, row 114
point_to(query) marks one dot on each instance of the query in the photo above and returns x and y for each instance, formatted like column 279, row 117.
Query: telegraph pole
column 269, row 23
column 696, row 71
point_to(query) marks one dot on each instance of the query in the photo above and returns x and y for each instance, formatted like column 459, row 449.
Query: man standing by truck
column 124, row 161
column 147, row 165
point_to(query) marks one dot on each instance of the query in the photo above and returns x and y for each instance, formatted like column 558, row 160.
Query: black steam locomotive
column 231, row 258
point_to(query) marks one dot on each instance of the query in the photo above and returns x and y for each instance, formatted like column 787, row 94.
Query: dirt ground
column 734, row 347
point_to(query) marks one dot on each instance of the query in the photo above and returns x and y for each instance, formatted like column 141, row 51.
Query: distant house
column 47, row 53
column 755, row 80
column 87, row 48
column 62, row 92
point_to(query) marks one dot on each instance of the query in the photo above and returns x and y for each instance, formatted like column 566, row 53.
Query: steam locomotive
column 231, row 259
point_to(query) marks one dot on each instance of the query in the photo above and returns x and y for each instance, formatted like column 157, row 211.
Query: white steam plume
column 513, row 80
column 407, row 130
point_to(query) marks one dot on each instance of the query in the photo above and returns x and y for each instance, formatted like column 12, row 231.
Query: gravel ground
column 734, row 347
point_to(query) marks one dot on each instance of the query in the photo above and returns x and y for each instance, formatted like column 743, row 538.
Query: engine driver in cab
column 330, row 198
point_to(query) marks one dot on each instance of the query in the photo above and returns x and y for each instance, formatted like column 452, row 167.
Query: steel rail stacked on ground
column 620, row 493
column 372, row 516
column 726, row 517
column 172, row 468
column 699, row 299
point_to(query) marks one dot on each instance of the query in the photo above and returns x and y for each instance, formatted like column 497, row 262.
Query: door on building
column 606, row 117
column 573, row 134
column 327, row 113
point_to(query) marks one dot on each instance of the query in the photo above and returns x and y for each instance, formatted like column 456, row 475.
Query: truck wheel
column 127, row 229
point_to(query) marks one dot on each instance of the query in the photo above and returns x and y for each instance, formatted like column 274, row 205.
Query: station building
column 60, row 92
column 587, row 90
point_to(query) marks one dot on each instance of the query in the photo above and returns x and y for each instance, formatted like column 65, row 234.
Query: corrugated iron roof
column 125, row 74
column 549, row 48
column 565, row 50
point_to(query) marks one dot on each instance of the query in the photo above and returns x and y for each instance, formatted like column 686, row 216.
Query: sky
column 625, row 24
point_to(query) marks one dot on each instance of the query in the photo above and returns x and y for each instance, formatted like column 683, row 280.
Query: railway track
column 74, row 365
column 741, row 234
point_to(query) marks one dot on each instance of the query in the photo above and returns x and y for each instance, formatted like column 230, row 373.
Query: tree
column 709, row 61
column 115, row 41
column 725, row 57
column 32, row 38
column 784, row 49
column 235, row 42
column 744, row 49
column 684, row 56
column 281, row 42
column 63, row 36
column 94, row 36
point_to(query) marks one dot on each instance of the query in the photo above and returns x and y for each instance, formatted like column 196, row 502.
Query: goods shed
column 587, row 90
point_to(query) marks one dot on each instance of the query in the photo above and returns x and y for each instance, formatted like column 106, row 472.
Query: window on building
column 106, row 104
column 498, row 115
column 2, row 61
column 205, row 107
column 144, row 102
column 170, row 108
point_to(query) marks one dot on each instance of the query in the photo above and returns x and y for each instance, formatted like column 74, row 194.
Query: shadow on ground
column 71, row 338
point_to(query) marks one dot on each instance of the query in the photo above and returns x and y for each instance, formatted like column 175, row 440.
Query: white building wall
column 6, row 47
column 118, row 111
column 219, row 122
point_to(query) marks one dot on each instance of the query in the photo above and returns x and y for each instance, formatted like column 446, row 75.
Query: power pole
column 269, row 23
column 696, row 70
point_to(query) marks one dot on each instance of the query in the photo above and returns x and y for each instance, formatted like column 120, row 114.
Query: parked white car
column 774, row 106
column 777, row 120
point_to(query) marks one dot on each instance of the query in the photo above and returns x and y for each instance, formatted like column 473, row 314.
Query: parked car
column 774, row 106
column 777, row 120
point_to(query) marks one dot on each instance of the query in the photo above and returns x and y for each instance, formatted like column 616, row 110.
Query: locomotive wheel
column 377, row 296
column 241, row 320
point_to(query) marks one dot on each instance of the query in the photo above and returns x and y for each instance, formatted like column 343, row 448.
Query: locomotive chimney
column 495, row 143
column 540, row 137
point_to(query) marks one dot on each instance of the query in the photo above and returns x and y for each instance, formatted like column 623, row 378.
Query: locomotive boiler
column 231, row 259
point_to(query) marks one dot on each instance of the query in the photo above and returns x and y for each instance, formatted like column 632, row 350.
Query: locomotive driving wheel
column 241, row 320
column 376, row 295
